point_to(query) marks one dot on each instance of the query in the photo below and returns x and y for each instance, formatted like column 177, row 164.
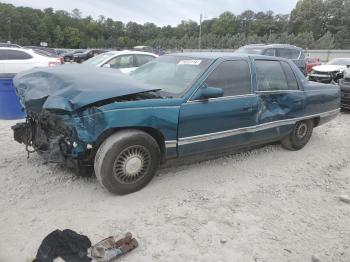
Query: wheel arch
column 316, row 121
column 156, row 134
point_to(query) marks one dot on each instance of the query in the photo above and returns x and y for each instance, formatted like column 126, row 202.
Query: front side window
column 123, row 61
column 16, row 55
column 270, row 76
column 232, row 76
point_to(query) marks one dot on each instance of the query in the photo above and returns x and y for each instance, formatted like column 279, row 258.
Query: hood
column 70, row 87
column 329, row 68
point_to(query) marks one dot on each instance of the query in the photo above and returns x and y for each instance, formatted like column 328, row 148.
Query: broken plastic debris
column 110, row 248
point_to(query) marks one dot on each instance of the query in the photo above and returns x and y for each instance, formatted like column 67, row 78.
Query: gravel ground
column 266, row 204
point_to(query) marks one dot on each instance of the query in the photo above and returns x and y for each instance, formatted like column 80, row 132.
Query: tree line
column 312, row 24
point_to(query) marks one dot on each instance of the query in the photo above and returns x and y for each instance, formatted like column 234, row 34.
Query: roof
column 127, row 52
column 273, row 46
column 211, row 55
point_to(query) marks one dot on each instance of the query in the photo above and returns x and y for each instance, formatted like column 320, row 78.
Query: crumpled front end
column 50, row 136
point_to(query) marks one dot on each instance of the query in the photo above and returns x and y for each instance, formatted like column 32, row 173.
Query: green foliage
column 321, row 24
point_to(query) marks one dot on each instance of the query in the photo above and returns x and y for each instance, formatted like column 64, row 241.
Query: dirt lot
column 267, row 204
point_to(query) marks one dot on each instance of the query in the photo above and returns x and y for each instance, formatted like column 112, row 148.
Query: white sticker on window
column 190, row 62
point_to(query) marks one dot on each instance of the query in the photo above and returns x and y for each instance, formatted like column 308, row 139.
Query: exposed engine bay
column 45, row 134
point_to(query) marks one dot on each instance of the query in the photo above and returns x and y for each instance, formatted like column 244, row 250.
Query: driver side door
column 218, row 123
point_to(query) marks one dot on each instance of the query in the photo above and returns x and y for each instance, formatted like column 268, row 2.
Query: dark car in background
column 294, row 53
column 81, row 57
column 69, row 56
column 344, row 84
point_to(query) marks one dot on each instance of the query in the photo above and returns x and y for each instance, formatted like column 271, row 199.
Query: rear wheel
column 127, row 161
column 300, row 135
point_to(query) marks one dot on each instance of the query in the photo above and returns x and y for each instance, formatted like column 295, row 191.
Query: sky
column 160, row 12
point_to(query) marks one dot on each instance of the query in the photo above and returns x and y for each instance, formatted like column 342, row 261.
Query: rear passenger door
column 217, row 123
column 281, row 98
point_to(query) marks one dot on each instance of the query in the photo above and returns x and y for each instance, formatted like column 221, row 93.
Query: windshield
column 96, row 60
column 250, row 50
column 172, row 74
column 339, row 61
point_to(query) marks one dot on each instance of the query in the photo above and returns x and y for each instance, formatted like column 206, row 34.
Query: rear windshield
column 173, row 75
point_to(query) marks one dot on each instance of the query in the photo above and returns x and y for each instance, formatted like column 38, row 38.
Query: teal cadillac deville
column 126, row 126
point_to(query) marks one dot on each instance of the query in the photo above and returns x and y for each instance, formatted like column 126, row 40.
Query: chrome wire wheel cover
column 301, row 130
column 132, row 164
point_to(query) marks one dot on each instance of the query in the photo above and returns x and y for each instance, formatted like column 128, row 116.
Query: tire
column 127, row 161
column 300, row 136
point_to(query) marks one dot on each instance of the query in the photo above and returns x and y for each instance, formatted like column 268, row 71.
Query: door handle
column 247, row 109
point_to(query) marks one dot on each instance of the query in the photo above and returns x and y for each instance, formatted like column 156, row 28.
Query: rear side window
column 16, row 55
column 143, row 59
column 270, row 76
column 232, row 76
column 288, row 53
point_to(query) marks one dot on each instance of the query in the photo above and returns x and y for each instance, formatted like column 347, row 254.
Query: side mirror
column 106, row 66
column 209, row 92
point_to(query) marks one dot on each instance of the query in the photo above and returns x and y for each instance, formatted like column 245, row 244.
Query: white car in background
column 330, row 72
column 125, row 61
column 15, row 60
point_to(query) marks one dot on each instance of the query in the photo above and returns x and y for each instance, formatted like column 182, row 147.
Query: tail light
column 56, row 62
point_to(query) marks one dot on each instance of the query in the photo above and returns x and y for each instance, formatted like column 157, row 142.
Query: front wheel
column 127, row 161
column 300, row 136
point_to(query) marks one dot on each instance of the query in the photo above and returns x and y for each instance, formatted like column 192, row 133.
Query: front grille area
column 321, row 73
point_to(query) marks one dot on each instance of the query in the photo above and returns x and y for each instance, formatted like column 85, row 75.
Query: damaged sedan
column 126, row 126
